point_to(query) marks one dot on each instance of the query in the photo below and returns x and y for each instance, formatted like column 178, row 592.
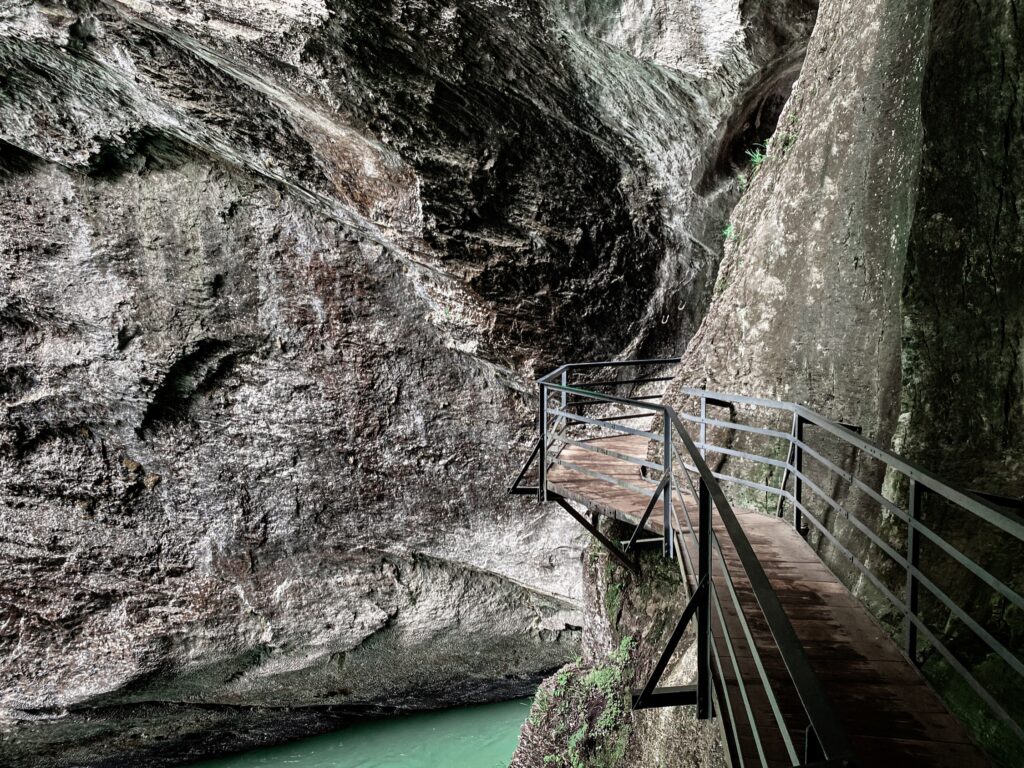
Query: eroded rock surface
column 276, row 276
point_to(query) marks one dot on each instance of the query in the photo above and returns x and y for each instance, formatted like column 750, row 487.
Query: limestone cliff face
column 807, row 301
column 810, row 285
column 276, row 276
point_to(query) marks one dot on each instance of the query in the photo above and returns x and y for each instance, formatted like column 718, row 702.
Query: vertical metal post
column 666, row 499
column 798, row 468
column 542, row 431
column 703, row 427
column 565, row 383
column 705, row 533
column 913, row 557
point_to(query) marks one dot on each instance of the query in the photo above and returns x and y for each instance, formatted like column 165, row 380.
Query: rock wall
column 581, row 715
column 810, row 285
column 963, row 389
column 872, row 272
column 276, row 277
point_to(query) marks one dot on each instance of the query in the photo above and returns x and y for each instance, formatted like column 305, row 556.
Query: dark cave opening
column 754, row 123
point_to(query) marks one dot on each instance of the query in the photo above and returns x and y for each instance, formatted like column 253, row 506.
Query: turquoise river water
column 484, row 736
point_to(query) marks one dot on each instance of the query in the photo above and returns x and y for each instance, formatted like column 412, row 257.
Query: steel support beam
column 642, row 698
column 608, row 544
column 647, row 512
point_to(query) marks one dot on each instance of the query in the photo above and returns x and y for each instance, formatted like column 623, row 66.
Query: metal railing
column 577, row 409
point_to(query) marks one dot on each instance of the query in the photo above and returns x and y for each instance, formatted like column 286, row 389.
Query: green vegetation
column 992, row 673
column 783, row 141
column 591, row 705
column 729, row 232
column 757, row 155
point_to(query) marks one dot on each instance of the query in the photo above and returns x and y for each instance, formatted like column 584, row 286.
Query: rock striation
column 276, row 275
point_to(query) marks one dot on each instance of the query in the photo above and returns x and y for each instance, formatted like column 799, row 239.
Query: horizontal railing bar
column 980, row 571
column 601, row 476
column 874, row 538
column 686, row 472
column 681, row 556
column 1000, row 650
column 610, row 425
column 609, row 364
column 754, row 653
column 711, row 447
column 1011, row 502
column 657, row 408
column 997, row 647
column 606, row 382
column 763, row 431
column 785, row 465
column 587, row 445
column 854, row 480
column 738, row 399
column 852, row 558
column 948, row 548
column 855, row 521
column 723, row 689
column 753, row 484
column 625, row 417
column 591, row 400
column 977, row 687
column 686, row 510
column 741, row 684
column 1003, row 519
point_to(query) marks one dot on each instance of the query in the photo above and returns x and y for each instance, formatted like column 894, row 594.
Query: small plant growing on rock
column 757, row 155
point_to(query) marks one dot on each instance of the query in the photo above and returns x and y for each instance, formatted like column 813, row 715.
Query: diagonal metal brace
column 515, row 489
column 647, row 512
column 650, row 695
column 613, row 550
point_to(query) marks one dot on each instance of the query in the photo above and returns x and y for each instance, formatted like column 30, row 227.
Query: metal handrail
column 920, row 481
column 817, row 707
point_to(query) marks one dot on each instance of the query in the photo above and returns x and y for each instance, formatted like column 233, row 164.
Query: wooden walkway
column 892, row 716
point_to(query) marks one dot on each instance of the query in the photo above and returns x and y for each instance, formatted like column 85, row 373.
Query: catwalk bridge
column 797, row 670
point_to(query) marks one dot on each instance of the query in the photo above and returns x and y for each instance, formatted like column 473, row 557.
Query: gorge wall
column 276, row 278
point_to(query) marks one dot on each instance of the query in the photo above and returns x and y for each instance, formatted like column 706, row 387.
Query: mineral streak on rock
column 276, row 276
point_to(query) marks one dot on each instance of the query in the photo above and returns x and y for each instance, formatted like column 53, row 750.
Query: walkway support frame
column 573, row 402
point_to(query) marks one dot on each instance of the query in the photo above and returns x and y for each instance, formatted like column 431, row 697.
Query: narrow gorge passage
column 278, row 279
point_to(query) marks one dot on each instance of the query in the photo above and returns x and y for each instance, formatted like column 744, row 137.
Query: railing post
column 913, row 557
column 542, row 431
column 705, row 533
column 798, row 468
column 666, row 499
column 565, row 383
column 703, row 427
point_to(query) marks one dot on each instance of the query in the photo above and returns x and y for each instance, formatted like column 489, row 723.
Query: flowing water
column 483, row 736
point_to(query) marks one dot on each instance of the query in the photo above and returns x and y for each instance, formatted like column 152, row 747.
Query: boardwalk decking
column 893, row 717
